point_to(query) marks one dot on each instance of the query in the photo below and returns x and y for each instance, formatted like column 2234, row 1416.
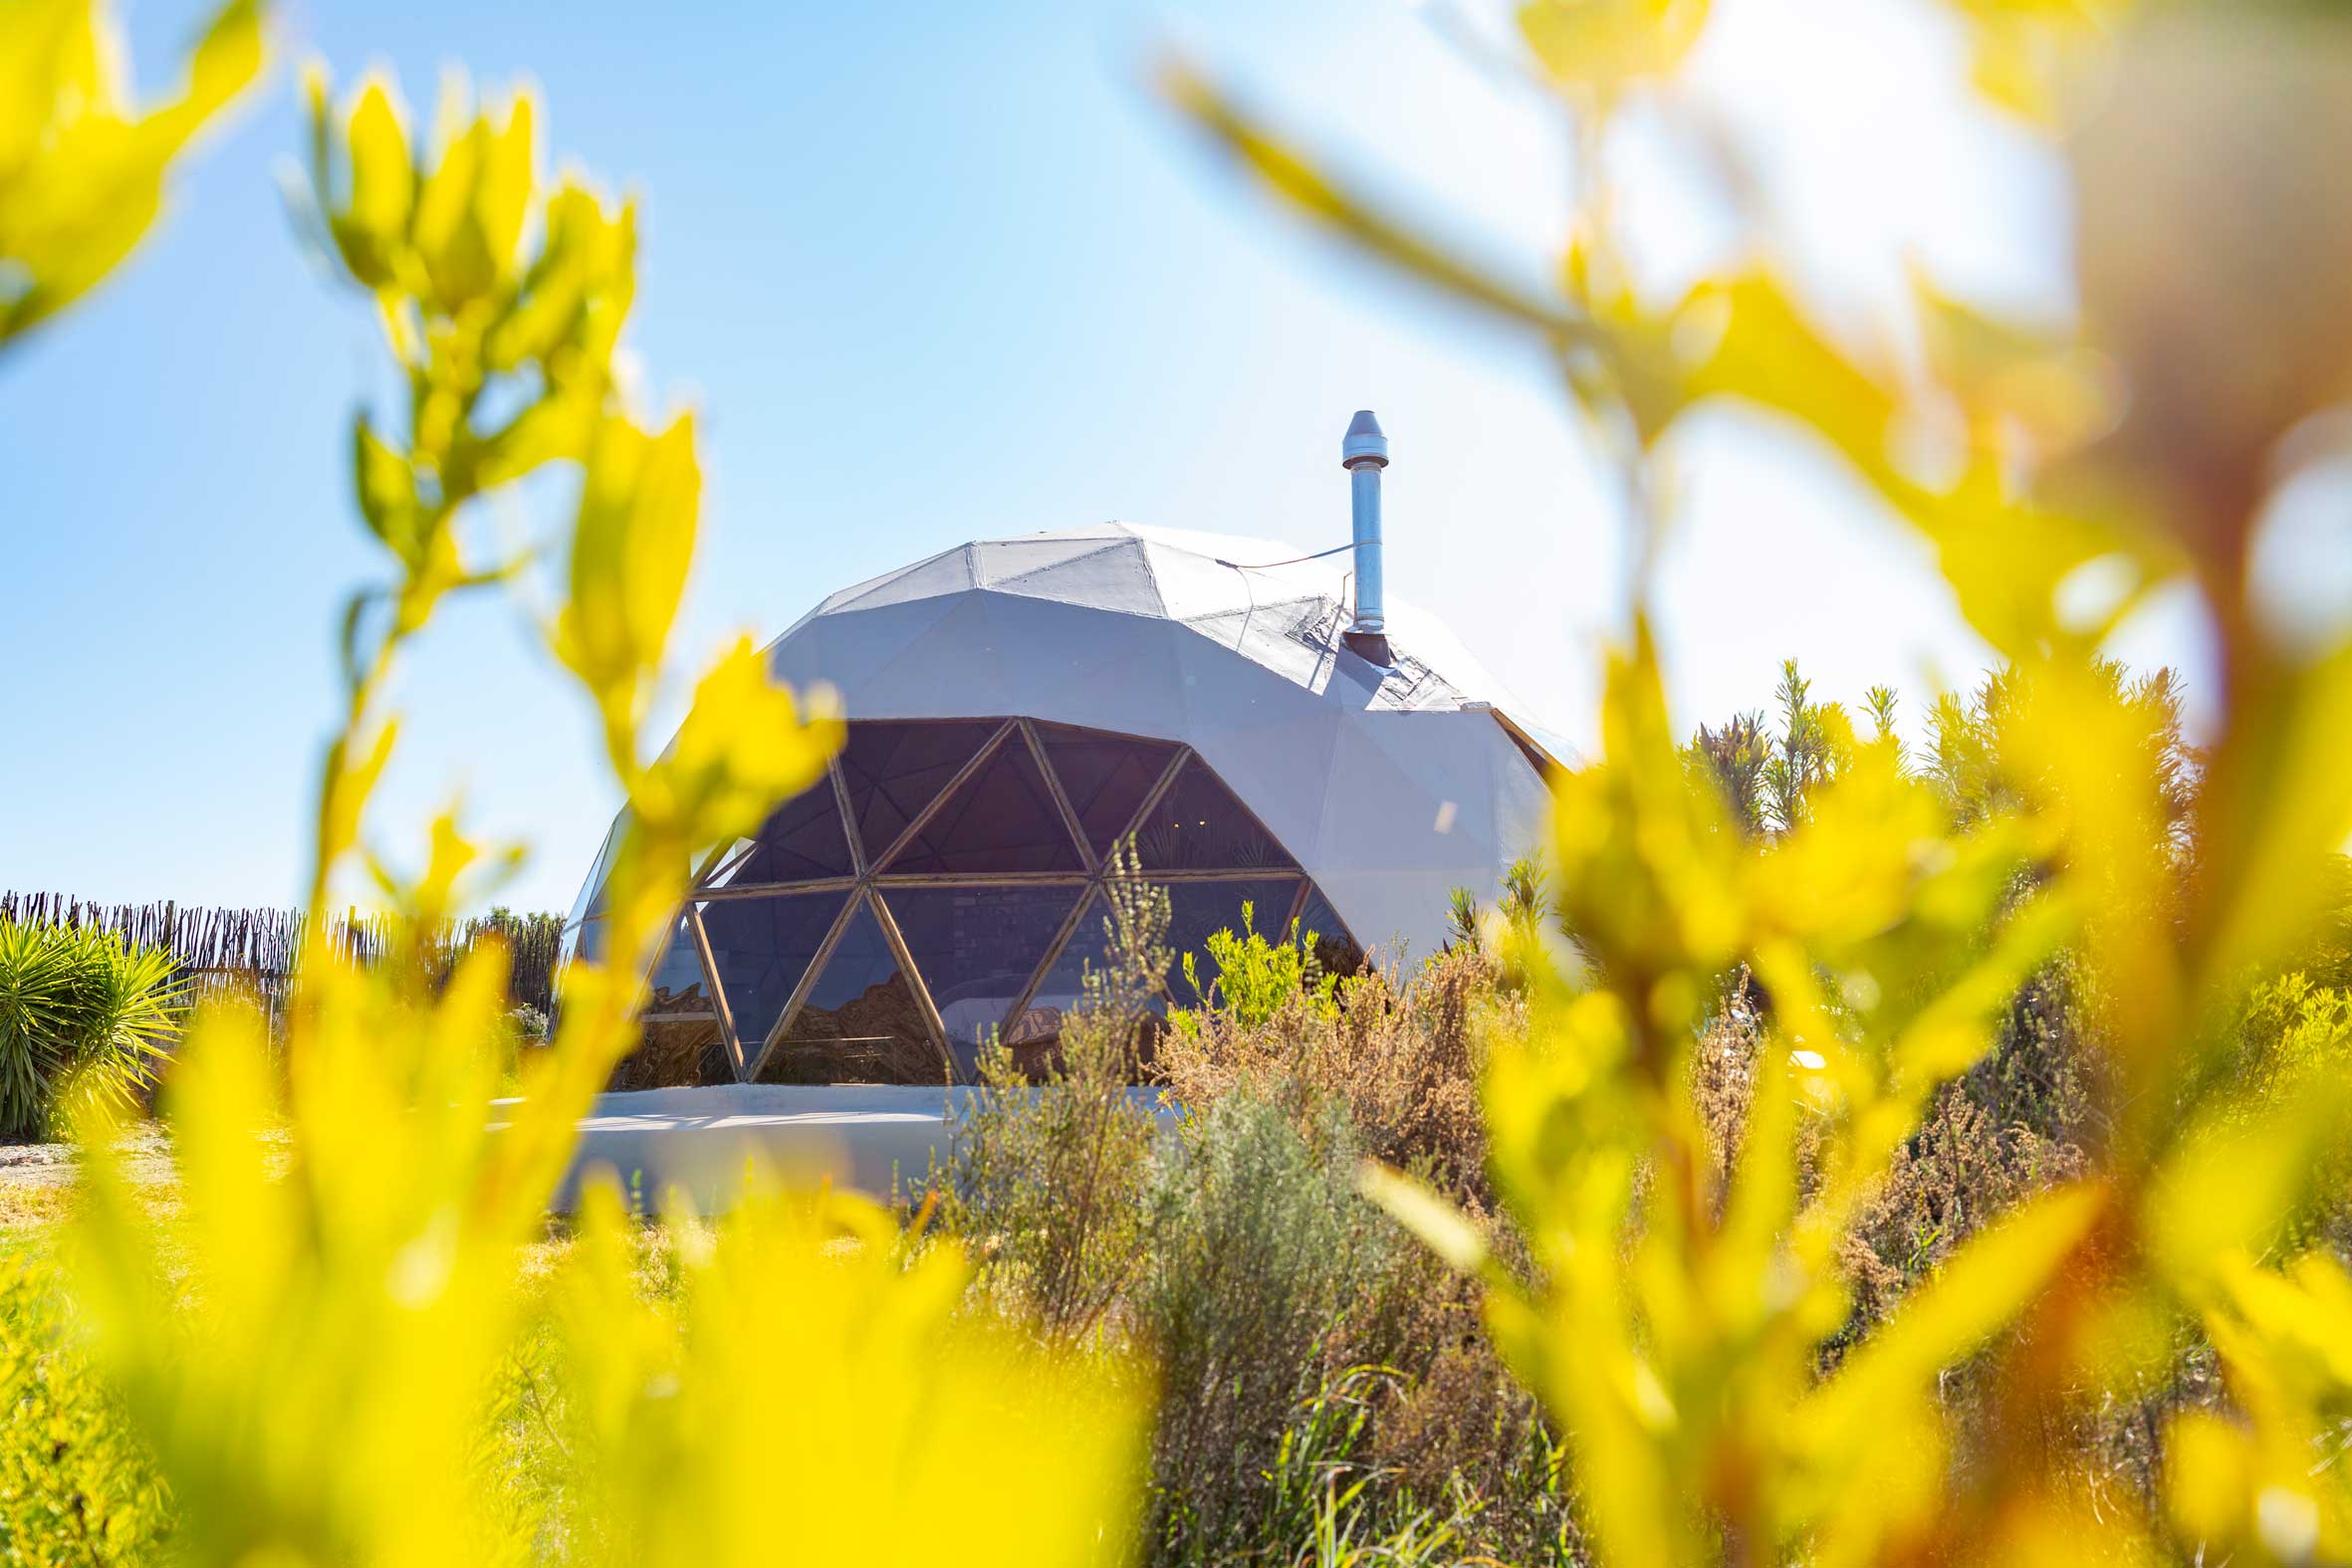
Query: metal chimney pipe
column 1363, row 452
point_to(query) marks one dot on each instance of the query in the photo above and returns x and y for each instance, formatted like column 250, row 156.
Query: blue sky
column 935, row 273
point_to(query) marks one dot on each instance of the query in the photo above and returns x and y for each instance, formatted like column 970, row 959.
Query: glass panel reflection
column 1104, row 775
column 1002, row 819
column 1335, row 947
column 674, row 1052
column 759, row 948
column 893, row 770
column 590, row 898
column 861, row 1023
column 583, row 941
column 676, row 984
column 1195, row 909
column 802, row 842
column 976, row 948
column 1198, row 825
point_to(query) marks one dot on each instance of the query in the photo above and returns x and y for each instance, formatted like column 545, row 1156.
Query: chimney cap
column 1363, row 442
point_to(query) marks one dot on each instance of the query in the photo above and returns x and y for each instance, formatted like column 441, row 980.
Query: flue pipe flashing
column 1363, row 452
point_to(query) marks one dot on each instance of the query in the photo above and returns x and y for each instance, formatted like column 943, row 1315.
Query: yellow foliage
column 1605, row 44
column 81, row 168
column 819, row 1396
column 310, row 1343
column 1673, row 1330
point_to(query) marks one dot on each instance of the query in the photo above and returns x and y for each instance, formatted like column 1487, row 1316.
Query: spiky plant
column 82, row 1015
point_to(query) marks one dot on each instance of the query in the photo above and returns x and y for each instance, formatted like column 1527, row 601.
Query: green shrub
column 1047, row 1170
column 1259, row 1248
column 1254, row 978
column 82, row 1013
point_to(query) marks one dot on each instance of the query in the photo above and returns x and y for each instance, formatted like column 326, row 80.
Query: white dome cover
column 1390, row 787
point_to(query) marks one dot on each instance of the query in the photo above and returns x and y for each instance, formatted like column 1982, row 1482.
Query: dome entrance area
column 943, row 885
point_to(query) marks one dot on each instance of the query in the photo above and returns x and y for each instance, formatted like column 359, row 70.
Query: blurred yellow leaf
column 2239, row 1173
column 2083, row 752
column 372, row 230
column 1412, row 1204
column 629, row 552
column 575, row 294
column 2274, row 817
column 2022, row 48
column 82, row 171
column 1647, row 860
column 447, row 234
column 746, row 742
column 821, row 1398
column 1607, row 45
column 2207, row 1478
column 388, row 492
column 1977, row 1293
column 2024, row 393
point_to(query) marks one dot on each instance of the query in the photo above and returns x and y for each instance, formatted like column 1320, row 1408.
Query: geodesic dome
column 1019, row 705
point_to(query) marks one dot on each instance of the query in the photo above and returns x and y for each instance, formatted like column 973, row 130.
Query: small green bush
column 82, row 1013
column 1259, row 1248
column 1255, row 977
column 1048, row 1168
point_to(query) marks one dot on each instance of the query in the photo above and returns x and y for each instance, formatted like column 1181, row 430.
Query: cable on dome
column 1268, row 565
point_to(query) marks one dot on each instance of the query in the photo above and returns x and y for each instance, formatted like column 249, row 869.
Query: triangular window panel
column 592, row 892
column 759, row 948
column 1002, row 819
column 585, row 942
column 1063, row 985
column 976, row 948
column 672, row 1052
column 1198, row 825
column 802, row 842
column 893, row 770
column 1336, row 948
column 1105, row 776
column 861, row 1021
column 676, row 984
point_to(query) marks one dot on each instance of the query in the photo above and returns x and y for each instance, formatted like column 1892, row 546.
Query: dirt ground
column 37, row 1180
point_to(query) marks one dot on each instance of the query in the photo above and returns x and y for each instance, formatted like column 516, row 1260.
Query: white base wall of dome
column 701, row 1143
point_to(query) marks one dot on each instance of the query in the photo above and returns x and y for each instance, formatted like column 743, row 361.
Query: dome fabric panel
column 1117, row 579
column 947, row 572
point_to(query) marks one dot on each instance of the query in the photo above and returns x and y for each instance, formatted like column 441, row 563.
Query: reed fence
column 254, row 950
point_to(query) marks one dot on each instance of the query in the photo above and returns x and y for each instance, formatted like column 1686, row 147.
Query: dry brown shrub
column 1959, row 1172
column 1401, row 1052
column 1454, row 1429
column 1723, row 1079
